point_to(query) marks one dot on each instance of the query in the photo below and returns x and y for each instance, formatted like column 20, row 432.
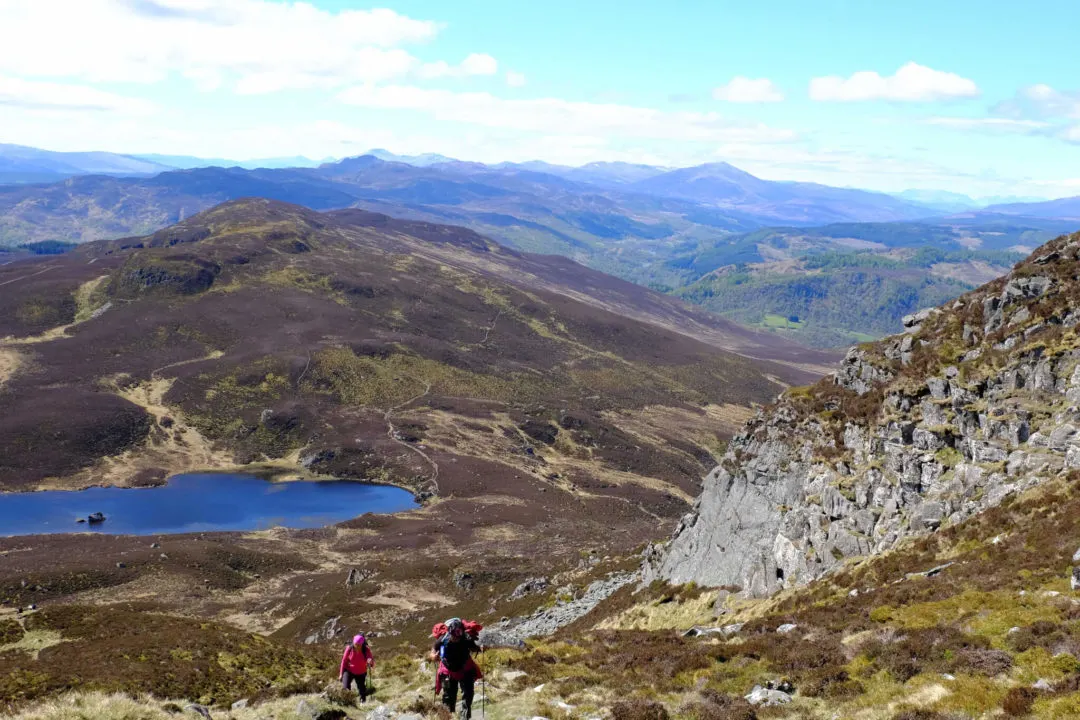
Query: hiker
column 455, row 641
column 354, row 666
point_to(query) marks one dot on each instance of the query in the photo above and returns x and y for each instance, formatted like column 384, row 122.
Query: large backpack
column 472, row 629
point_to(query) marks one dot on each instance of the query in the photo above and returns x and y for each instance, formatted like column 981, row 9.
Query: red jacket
column 356, row 660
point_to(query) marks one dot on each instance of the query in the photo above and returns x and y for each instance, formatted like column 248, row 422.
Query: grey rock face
column 548, row 620
column 799, row 491
column 328, row 631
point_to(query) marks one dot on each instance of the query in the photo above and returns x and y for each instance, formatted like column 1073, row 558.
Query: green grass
column 780, row 321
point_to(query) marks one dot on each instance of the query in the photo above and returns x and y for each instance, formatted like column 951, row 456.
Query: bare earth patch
column 10, row 362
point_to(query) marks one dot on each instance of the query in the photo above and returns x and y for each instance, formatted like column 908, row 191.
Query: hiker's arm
column 341, row 670
column 368, row 655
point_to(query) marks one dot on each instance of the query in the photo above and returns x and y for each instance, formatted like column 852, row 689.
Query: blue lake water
column 198, row 503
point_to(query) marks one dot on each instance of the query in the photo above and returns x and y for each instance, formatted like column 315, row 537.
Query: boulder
column 382, row 713
column 529, row 587
column 765, row 697
column 498, row 638
column 786, row 628
column 1074, row 582
column 200, row 710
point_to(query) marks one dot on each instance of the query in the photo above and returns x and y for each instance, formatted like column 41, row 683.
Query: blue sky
column 974, row 97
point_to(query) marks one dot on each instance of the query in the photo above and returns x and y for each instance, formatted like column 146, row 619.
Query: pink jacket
column 356, row 660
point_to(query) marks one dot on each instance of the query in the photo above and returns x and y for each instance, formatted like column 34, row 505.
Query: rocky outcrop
column 975, row 402
column 547, row 620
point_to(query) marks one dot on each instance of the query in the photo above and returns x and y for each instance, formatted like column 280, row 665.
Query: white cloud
column 515, row 79
column 911, row 83
column 748, row 90
column 1040, row 101
column 987, row 123
column 474, row 64
column 553, row 115
column 261, row 44
column 34, row 95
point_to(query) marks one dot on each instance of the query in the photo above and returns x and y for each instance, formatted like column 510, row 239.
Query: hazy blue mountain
column 1062, row 208
column 603, row 174
column 1009, row 199
column 21, row 164
column 942, row 200
column 423, row 160
column 188, row 162
column 726, row 186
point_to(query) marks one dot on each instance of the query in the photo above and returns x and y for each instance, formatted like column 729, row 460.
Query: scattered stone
column 329, row 631
column 1074, row 581
column 1042, row 684
column 529, row 587
column 948, row 676
column 155, row 546
column 121, row 565
column 95, row 517
column 732, row 629
column 496, row 637
column 932, row 571
column 358, row 576
column 547, row 620
column 512, row 675
column 766, row 697
column 786, row 628
column 1013, row 630
column 381, row 713
column 698, row 630
column 240, row 704
column 539, row 689
column 200, row 710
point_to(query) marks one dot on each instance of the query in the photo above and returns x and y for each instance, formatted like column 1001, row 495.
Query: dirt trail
column 391, row 432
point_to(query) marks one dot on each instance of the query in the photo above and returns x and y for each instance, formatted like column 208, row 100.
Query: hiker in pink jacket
column 354, row 666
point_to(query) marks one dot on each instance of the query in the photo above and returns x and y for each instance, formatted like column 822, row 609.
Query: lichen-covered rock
column 911, row 433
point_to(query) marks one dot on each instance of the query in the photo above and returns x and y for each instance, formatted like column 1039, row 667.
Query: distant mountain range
column 19, row 164
column 520, row 204
column 187, row 162
column 676, row 230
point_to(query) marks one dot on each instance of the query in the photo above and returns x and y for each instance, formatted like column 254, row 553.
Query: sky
column 981, row 98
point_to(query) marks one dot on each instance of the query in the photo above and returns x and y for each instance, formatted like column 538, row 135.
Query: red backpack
column 472, row 629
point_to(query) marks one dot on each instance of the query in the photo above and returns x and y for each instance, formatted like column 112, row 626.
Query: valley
column 893, row 540
column 694, row 235
column 539, row 361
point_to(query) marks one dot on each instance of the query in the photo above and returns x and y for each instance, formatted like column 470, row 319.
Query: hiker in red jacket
column 354, row 665
column 455, row 642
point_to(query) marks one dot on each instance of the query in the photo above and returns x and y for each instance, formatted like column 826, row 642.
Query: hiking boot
column 465, row 714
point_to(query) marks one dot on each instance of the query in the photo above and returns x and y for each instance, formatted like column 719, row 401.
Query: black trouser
column 450, row 691
column 347, row 679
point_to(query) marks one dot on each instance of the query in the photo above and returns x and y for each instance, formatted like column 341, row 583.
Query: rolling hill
column 268, row 332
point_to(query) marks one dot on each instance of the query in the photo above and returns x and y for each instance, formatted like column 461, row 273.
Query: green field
column 779, row 321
